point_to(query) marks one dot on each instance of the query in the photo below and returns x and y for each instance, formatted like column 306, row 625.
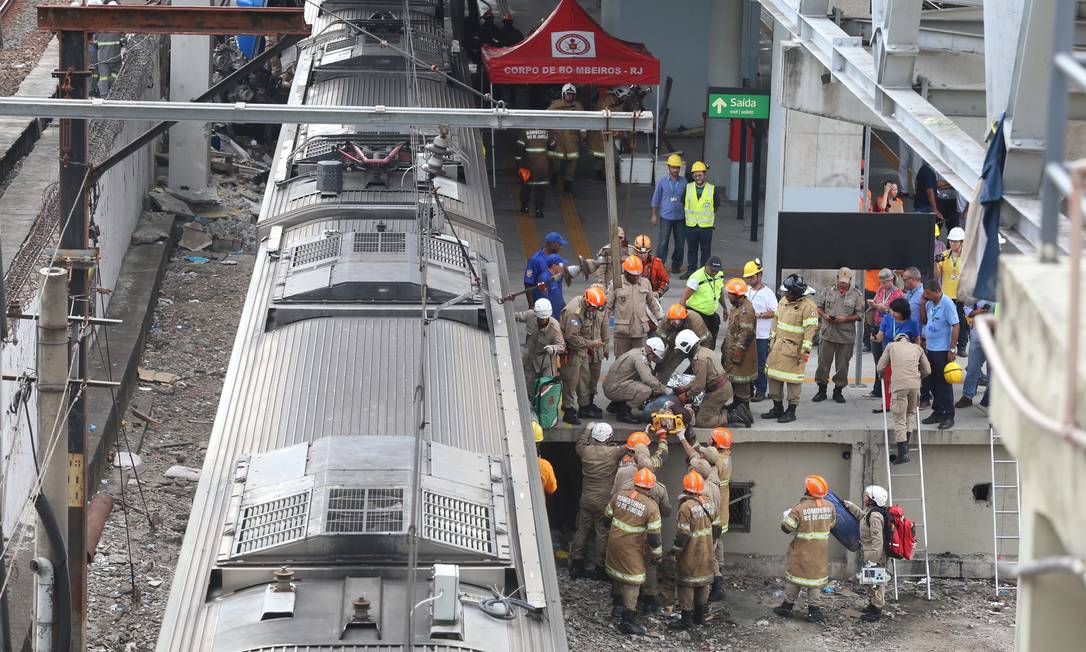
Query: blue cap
column 555, row 236
column 554, row 259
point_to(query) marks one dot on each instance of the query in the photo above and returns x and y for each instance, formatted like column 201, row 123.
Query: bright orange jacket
column 657, row 275
column 546, row 473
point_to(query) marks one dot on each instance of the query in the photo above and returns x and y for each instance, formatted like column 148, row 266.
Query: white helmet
column 877, row 494
column 568, row 88
column 543, row 308
column 686, row 340
column 657, row 346
column 621, row 92
column 601, row 431
column 957, row 233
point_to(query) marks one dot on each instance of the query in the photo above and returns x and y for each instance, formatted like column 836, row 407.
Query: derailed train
column 370, row 483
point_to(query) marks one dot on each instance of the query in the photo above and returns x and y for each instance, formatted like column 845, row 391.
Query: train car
column 371, row 482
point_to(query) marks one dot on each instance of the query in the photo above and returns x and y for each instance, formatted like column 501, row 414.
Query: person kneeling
column 630, row 381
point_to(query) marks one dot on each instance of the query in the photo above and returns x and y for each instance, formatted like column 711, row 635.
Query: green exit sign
column 738, row 103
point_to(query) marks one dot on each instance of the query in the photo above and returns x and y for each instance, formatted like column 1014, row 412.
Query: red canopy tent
column 571, row 47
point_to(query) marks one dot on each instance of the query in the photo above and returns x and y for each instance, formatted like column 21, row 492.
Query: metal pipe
column 97, row 514
column 44, row 603
column 1071, row 565
column 410, row 116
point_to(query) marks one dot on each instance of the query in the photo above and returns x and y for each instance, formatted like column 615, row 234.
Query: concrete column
column 190, row 75
column 724, row 45
column 1003, row 20
column 774, row 181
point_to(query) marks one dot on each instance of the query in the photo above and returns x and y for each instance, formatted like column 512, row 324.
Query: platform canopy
column 569, row 46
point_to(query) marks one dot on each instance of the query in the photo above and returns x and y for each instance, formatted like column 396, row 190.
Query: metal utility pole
column 52, row 369
column 612, row 208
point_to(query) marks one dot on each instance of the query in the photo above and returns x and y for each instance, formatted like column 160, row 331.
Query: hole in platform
column 982, row 492
column 739, row 512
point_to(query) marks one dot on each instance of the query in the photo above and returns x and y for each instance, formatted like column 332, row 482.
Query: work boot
column 789, row 415
column 716, row 593
column 700, row 612
column 684, row 623
column 648, row 605
column 868, row 608
column 785, row 610
column 625, row 414
column 616, row 607
column 821, row 395
column 931, row 419
column 576, row 568
column 838, row 395
column 629, row 624
column 815, row 615
column 524, row 208
column 946, row 424
column 964, row 402
column 600, row 574
column 873, row 615
column 585, row 412
column 612, row 407
column 902, row 456
column 569, row 415
column 776, row 412
column 594, row 411
column 539, row 213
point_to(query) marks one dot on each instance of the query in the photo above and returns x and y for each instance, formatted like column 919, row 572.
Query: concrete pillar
column 724, row 45
column 1002, row 23
column 190, row 75
column 1049, row 605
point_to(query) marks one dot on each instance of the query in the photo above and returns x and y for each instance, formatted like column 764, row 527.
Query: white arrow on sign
column 718, row 104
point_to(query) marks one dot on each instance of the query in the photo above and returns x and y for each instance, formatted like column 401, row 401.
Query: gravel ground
column 23, row 43
column 963, row 615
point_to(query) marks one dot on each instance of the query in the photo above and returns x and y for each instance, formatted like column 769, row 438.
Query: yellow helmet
column 675, row 161
column 953, row 373
column 752, row 267
column 698, row 166
column 538, row 431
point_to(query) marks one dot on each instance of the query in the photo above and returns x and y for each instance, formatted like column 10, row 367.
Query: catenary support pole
column 755, row 178
column 862, row 275
column 612, row 208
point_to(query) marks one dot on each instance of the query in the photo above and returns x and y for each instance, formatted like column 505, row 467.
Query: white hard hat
column 686, row 340
column 657, row 346
column 957, row 233
column 621, row 92
column 601, row 431
column 568, row 88
column 543, row 308
column 877, row 494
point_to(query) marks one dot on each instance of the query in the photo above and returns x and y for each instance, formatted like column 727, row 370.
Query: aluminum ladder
column 910, row 482
column 1006, row 500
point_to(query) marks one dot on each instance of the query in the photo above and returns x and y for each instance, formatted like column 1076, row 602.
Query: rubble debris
column 199, row 198
column 182, row 473
column 194, row 238
column 148, row 419
column 168, row 203
column 162, row 377
column 128, row 461
column 197, row 260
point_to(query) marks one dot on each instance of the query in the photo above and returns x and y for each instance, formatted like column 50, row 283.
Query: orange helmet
column 644, row 478
column 693, row 483
column 722, row 438
column 816, row 486
column 676, row 311
column 595, row 297
column 633, row 265
column 636, row 438
column 642, row 244
column 737, row 286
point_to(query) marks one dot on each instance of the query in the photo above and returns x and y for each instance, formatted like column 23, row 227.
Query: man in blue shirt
column 667, row 211
column 552, row 277
column 913, row 291
column 940, row 320
column 537, row 264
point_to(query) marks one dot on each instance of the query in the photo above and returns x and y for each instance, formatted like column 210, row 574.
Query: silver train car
column 371, row 483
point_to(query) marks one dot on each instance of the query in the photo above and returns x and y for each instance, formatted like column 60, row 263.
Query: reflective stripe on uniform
column 535, row 150
column 736, row 378
column 723, row 528
column 626, row 527
column 658, row 551
column 810, row 321
column 807, row 344
column 790, row 522
column 786, row 376
column 791, row 328
column 802, row 581
column 654, row 526
column 598, row 154
column 813, row 536
column 696, row 581
column 684, row 527
column 704, row 532
column 569, row 156
column 623, row 577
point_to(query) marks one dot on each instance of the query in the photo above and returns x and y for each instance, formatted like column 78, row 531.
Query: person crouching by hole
column 872, row 517
column 630, row 381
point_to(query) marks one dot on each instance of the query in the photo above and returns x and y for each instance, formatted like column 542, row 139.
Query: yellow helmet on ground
column 538, row 431
column 675, row 161
column 752, row 267
column 698, row 166
column 953, row 373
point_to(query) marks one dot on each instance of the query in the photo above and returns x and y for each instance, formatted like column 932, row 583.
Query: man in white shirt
column 765, row 307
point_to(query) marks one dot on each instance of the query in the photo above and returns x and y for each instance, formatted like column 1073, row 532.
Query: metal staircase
column 910, row 482
column 1006, row 503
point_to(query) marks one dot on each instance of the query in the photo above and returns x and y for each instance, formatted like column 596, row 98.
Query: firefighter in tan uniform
column 599, row 463
column 718, row 454
column 614, row 100
column 533, row 168
column 678, row 320
column 709, row 377
column 545, row 343
column 808, row 565
column 635, row 527
column 841, row 307
column 603, row 257
column 567, row 142
column 694, row 565
column 586, row 333
column 630, row 382
column 634, row 306
column 739, row 353
column 872, row 518
column 790, row 340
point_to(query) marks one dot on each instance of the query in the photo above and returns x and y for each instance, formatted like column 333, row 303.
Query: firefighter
column 678, row 320
column 709, row 377
column 612, row 101
column 533, row 168
column 790, row 341
column 655, row 270
column 841, row 307
column 634, row 307
column 603, row 257
column 109, row 58
column 585, row 332
column 909, row 367
column 599, row 463
column 739, row 353
column 808, row 565
column 545, row 343
column 694, row 565
column 718, row 453
column 872, row 518
column 630, row 382
column 567, row 142
column 635, row 526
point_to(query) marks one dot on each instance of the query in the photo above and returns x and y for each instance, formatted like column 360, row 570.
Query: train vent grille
column 445, row 252
column 458, row 522
column 365, row 511
column 389, row 242
column 316, row 251
column 272, row 523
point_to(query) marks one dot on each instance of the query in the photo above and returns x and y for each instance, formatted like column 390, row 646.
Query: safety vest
column 706, row 298
column 699, row 212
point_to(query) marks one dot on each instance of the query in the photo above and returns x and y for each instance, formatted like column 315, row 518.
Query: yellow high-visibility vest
column 706, row 298
column 699, row 212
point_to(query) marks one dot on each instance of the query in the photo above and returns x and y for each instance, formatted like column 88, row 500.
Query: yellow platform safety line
column 574, row 230
column 529, row 239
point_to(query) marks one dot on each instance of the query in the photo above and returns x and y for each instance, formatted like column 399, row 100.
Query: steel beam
column 389, row 116
column 897, row 26
column 927, row 38
column 161, row 19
